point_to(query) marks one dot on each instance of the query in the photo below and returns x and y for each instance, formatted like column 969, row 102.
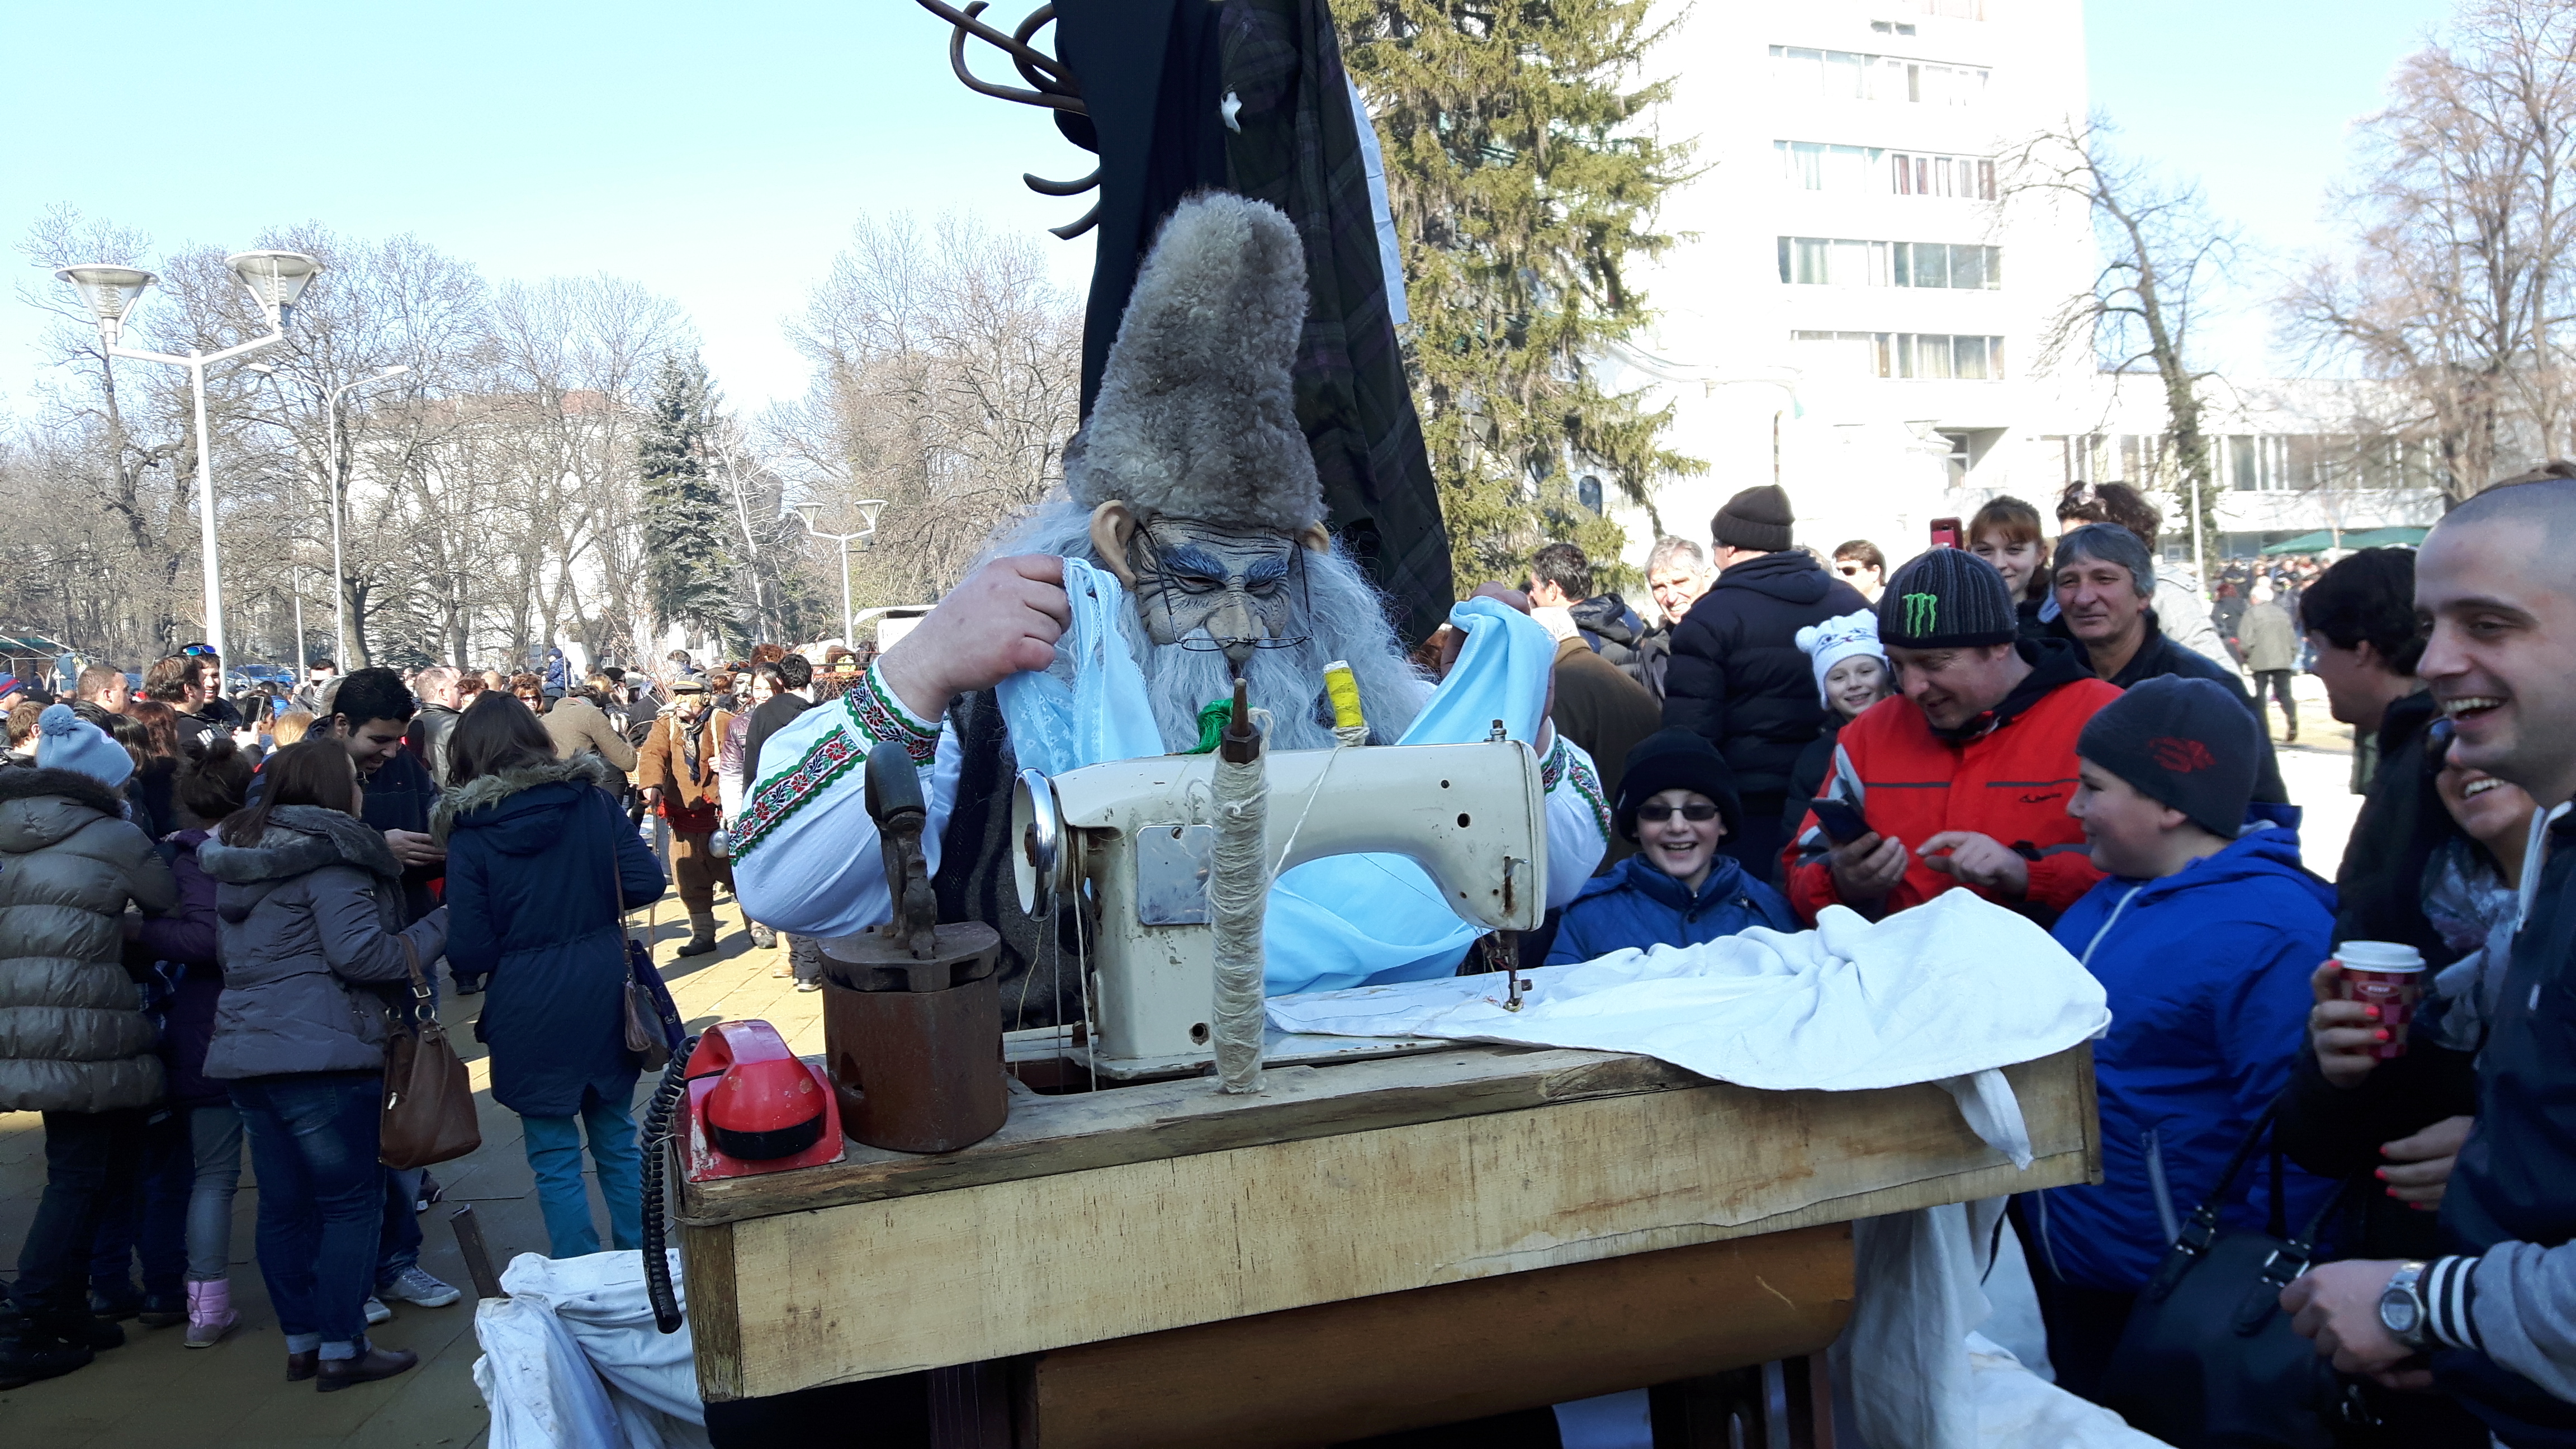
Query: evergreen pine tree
column 687, row 528
column 1522, row 187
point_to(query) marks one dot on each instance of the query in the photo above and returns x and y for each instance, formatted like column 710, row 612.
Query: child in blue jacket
column 2204, row 935
column 1676, row 801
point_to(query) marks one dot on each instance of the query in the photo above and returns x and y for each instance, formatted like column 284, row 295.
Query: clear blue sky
column 719, row 153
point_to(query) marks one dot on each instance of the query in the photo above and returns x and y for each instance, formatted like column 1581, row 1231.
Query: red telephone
column 755, row 1106
column 1945, row 533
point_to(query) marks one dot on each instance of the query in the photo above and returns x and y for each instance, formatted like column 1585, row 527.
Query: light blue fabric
column 1364, row 920
column 1350, row 920
column 1103, row 713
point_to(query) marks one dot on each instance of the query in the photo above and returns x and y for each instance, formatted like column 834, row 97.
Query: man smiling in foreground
column 2496, row 1316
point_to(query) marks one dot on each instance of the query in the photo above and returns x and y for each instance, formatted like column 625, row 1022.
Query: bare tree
column 2458, row 279
column 2161, row 255
column 947, row 372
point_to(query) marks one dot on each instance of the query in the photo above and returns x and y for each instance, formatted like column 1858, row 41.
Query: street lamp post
column 868, row 510
column 275, row 280
column 295, row 581
column 331, row 465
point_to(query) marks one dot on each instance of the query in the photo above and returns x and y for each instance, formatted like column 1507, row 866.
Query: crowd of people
column 216, row 910
column 2063, row 725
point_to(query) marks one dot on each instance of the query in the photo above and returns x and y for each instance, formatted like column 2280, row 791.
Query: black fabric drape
column 1154, row 74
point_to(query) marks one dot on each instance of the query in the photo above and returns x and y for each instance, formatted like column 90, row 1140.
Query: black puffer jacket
column 1612, row 630
column 1737, row 674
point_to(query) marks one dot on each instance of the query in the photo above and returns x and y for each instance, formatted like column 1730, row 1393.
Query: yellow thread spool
column 1343, row 687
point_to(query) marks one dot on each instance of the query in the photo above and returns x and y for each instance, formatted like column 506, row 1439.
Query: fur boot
column 210, row 1312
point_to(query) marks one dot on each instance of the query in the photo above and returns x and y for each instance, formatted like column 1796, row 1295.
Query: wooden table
column 1362, row 1247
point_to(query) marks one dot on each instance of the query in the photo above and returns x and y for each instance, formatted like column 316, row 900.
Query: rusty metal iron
column 912, row 1018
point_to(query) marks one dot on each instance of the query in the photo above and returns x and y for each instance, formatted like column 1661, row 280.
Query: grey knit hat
column 1757, row 518
column 2185, row 742
column 1946, row 598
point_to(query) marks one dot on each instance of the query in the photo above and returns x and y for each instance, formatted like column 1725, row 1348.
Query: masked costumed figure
column 1187, row 548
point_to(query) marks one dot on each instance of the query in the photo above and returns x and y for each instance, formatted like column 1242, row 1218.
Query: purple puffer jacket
column 185, row 939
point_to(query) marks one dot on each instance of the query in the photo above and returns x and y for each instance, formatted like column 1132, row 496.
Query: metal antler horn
column 1052, row 86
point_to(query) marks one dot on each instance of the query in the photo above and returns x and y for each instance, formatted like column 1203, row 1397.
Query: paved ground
column 153, row 1392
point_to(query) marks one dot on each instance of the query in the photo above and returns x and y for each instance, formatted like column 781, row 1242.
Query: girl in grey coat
column 309, row 905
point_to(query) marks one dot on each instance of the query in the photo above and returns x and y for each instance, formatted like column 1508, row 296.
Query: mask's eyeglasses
column 1658, row 814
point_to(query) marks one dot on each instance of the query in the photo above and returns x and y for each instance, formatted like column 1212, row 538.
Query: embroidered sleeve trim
column 1564, row 763
column 831, row 757
column 875, row 710
column 875, row 717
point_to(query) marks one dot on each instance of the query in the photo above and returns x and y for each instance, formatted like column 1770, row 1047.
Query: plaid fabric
column 1299, row 150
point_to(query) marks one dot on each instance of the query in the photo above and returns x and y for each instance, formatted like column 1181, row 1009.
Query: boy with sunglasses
column 1676, row 801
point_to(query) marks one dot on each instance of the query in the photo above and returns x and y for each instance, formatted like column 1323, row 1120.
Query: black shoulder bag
column 2208, row 1358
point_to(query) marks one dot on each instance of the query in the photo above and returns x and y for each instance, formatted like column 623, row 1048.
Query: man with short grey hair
column 2106, row 590
column 430, row 729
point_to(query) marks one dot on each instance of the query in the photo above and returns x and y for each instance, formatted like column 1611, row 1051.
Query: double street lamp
column 868, row 509
column 275, row 279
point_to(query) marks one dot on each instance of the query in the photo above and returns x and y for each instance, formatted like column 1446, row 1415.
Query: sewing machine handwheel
column 1037, row 837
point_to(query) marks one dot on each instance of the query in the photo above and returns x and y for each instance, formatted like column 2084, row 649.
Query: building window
column 1929, row 356
column 2265, row 462
column 1837, row 262
column 1814, row 166
column 1947, row 9
column 1916, row 174
column 1801, row 72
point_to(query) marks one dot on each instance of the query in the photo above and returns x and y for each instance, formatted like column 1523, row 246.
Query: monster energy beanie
column 1946, row 598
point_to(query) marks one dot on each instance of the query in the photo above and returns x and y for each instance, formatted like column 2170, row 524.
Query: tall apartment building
column 1859, row 302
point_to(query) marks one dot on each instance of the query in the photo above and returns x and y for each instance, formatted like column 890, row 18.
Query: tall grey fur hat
column 1197, row 416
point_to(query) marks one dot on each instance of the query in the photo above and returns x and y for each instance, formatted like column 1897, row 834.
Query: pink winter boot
column 210, row 1312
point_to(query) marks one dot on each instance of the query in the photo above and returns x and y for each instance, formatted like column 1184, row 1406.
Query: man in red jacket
column 1963, row 776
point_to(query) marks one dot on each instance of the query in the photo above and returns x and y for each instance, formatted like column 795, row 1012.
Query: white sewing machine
column 1131, row 841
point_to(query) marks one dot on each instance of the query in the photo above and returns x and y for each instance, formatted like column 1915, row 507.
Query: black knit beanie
column 1679, row 758
column 1947, row 598
column 1757, row 518
column 2186, row 742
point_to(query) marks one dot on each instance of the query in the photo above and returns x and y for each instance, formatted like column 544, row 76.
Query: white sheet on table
column 1947, row 992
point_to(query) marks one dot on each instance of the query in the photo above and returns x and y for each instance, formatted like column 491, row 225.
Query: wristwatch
column 2401, row 1306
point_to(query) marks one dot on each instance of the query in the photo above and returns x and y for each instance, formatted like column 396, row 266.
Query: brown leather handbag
column 428, row 1112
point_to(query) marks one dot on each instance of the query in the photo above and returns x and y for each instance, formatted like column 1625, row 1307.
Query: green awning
column 2324, row 539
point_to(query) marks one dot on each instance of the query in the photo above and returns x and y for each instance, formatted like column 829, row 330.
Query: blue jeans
column 399, row 1250
column 554, row 1153
column 215, row 1132
column 321, row 1201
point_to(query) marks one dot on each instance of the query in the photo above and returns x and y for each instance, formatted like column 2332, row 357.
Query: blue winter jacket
column 2207, row 972
column 1634, row 904
column 535, row 858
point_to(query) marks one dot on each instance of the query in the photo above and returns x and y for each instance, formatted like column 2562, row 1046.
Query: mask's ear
column 1113, row 528
column 1316, row 537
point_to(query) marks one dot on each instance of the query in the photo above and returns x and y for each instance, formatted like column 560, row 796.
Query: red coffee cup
column 2390, row 976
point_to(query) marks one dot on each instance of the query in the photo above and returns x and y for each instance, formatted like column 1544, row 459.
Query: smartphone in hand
column 1841, row 820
